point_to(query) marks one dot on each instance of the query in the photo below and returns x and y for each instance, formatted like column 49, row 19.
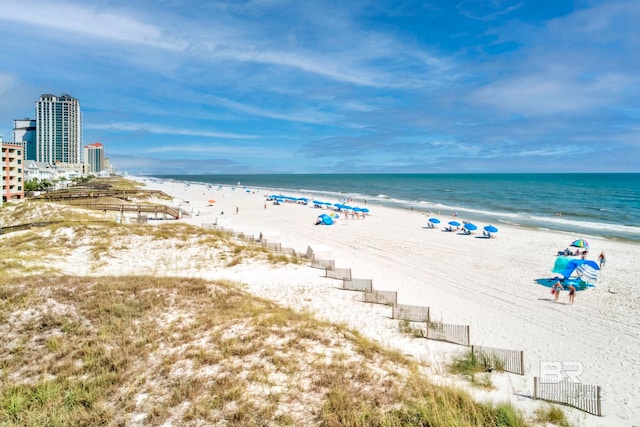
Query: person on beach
column 572, row 293
column 237, row 209
column 557, row 287
column 602, row 260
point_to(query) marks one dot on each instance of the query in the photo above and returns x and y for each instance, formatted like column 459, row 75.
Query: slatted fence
column 338, row 273
column 457, row 334
column 381, row 297
column 364, row 285
column 323, row 263
column 500, row 358
column 412, row 313
column 586, row 397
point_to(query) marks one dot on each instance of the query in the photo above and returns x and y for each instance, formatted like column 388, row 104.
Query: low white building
column 40, row 170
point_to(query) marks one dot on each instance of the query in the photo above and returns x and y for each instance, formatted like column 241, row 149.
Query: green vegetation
column 551, row 414
column 476, row 368
column 108, row 350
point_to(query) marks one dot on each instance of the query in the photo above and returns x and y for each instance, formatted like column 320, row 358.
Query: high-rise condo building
column 94, row 157
column 24, row 132
column 58, row 129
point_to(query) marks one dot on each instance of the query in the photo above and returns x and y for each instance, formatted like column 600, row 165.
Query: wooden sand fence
column 457, row 334
column 274, row 246
column 586, row 397
column 28, row 226
column 411, row 313
column 500, row 358
column 323, row 263
column 363, row 285
column 287, row 251
column 338, row 273
column 381, row 297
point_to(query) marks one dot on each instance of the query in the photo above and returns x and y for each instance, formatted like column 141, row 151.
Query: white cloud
column 87, row 21
column 545, row 94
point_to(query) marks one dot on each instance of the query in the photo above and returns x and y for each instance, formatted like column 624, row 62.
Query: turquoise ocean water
column 606, row 205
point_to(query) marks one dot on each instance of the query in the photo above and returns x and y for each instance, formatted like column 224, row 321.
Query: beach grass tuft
column 477, row 369
column 553, row 414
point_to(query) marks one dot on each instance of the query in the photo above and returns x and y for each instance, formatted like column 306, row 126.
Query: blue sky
column 278, row 86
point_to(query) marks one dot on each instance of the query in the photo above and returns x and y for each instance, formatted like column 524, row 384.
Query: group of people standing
column 557, row 288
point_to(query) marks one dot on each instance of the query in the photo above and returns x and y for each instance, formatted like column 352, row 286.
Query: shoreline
column 534, row 220
column 485, row 283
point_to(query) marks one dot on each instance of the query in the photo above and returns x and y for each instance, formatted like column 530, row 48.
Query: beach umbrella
column 470, row 226
column 326, row 219
column 587, row 272
column 580, row 243
column 454, row 223
column 364, row 210
column 212, row 201
column 490, row 229
column 583, row 267
column 434, row 220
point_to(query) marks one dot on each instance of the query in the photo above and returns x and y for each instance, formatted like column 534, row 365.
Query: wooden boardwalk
column 165, row 211
column 96, row 193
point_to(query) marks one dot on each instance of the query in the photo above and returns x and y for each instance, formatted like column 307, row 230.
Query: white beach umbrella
column 587, row 272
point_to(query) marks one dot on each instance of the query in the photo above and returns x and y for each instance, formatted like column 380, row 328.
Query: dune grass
column 149, row 349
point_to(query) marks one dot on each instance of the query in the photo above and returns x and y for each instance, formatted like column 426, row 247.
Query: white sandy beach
column 485, row 283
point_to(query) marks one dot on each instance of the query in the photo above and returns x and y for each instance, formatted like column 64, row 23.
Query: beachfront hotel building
column 12, row 171
column 24, row 133
column 58, row 129
column 94, row 157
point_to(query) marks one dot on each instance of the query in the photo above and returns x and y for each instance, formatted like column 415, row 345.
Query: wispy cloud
column 308, row 116
column 156, row 129
column 285, row 86
column 87, row 21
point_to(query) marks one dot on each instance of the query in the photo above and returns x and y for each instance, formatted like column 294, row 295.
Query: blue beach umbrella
column 326, row 219
column 454, row 223
column 490, row 229
column 434, row 220
column 470, row 226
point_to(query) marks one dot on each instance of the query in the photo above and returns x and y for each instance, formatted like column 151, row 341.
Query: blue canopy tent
column 586, row 271
column 325, row 219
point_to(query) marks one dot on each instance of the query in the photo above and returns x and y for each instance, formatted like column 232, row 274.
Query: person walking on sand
column 572, row 293
column 557, row 287
column 602, row 260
